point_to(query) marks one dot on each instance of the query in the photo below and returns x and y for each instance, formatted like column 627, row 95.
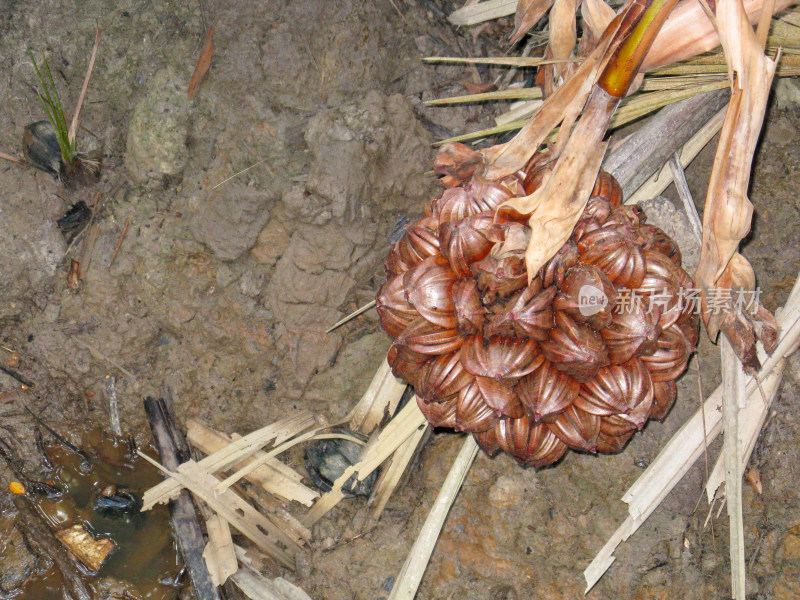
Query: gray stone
column 16, row 561
column 156, row 147
column 229, row 219
column 663, row 214
column 787, row 92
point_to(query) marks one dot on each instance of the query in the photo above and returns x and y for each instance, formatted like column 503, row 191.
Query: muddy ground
column 223, row 291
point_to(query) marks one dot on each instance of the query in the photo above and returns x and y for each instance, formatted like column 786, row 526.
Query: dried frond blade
column 528, row 14
column 203, row 63
column 597, row 15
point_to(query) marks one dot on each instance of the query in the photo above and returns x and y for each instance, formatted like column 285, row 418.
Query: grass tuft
column 55, row 111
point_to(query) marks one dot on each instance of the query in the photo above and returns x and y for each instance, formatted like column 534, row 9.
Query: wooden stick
column 37, row 532
column 483, row 11
column 185, row 523
column 73, row 127
column 119, row 242
column 351, row 316
column 420, row 554
column 644, row 152
column 733, row 399
column 382, row 396
column 679, row 178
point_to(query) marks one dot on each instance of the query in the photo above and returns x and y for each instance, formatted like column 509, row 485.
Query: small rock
column 156, row 147
column 251, row 283
column 16, row 562
column 787, row 92
column 388, row 583
column 663, row 214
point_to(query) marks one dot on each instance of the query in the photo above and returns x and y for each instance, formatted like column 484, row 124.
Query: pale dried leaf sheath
column 687, row 32
column 557, row 205
column 528, row 14
column 597, row 15
column 728, row 212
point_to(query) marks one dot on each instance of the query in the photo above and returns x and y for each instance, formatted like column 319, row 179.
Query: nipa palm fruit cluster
column 579, row 357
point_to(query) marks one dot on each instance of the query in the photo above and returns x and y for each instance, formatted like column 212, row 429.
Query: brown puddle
column 145, row 563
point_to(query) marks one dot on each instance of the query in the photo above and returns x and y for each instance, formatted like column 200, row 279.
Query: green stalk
column 55, row 111
column 623, row 67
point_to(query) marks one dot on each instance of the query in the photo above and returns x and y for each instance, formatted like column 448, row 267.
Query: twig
column 11, row 373
column 113, row 406
column 418, row 557
column 73, row 127
column 184, row 518
column 733, row 399
column 245, row 170
column 100, row 356
column 351, row 316
column 119, row 241
column 679, row 178
column 38, row 532
column 5, row 156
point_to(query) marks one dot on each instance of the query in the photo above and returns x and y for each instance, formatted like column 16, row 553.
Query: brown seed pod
column 614, row 250
column 499, row 357
column 419, row 242
column 470, row 313
column 406, row 364
column 607, row 187
column 664, row 394
column 470, row 199
column 424, row 337
column 473, row 414
column 618, row 390
column 466, row 241
column 501, row 398
column 661, row 287
column 670, row 359
column 428, row 287
column 633, row 330
column 439, row 414
column 455, row 163
column 547, row 391
column 531, row 444
column 529, row 313
column 575, row 348
column 577, row 429
column 611, row 443
column 587, row 296
column 555, row 269
column 655, row 239
column 394, row 310
column 444, row 378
